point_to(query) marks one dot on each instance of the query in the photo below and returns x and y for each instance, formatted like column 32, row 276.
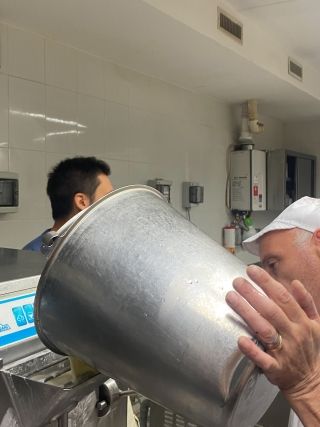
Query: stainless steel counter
column 16, row 264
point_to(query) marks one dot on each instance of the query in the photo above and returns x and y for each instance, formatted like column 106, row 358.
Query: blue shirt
column 35, row 244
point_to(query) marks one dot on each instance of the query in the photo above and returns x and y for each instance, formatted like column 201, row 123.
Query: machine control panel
column 16, row 319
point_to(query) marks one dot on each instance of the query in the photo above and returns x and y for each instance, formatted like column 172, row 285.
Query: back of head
column 72, row 176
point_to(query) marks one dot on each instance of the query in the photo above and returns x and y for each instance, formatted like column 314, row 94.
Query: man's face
column 103, row 188
column 285, row 259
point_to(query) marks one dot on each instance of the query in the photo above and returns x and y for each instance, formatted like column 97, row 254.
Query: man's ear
column 316, row 237
column 80, row 201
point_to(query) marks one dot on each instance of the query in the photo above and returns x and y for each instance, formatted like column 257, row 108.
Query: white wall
column 56, row 101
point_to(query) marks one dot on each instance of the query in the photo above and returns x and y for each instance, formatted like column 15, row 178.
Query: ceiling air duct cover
column 230, row 25
column 295, row 69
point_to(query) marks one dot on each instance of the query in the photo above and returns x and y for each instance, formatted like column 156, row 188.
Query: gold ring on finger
column 275, row 345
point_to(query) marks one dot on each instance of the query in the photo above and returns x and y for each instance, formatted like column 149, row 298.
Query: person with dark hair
column 73, row 185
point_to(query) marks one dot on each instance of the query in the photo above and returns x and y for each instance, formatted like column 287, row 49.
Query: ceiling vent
column 295, row 69
column 230, row 25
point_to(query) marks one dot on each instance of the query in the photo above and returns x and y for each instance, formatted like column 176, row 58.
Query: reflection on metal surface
column 45, row 386
column 147, row 293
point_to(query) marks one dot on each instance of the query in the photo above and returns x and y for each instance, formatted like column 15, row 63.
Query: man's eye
column 272, row 266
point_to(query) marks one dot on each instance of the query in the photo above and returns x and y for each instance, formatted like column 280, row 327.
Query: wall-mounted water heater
column 248, row 180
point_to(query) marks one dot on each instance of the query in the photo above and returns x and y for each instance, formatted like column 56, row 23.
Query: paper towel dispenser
column 9, row 192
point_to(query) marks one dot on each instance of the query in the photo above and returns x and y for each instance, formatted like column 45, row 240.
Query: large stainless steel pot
column 137, row 291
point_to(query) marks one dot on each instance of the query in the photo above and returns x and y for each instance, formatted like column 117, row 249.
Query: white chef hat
column 304, row 214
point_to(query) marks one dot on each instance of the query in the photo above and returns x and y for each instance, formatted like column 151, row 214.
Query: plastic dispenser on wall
column 192, row 194
column 248, row 179
column 9, row 192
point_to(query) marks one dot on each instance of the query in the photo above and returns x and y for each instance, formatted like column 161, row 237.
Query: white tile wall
column 90, row 139
column 61, row 66
column 119, row 172
column 4, row 47
column 116, row 80
column 156, row 96
column 90, row 75
column 61, row 120
column 4, row 111
column 145, row 129
column 26, row 114
column 4, row 159
column 31, row 168
column 65, row 102
column 118, row 133
column 25, row 54
column 140, row 172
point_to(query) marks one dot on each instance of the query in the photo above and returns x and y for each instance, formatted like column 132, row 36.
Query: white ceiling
column 134, row 34
column 294, row 22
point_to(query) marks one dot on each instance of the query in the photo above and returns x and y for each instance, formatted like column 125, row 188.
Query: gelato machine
column 37, row 386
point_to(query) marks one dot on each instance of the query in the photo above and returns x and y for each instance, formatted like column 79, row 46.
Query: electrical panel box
column 248, row 180
column 162, row 185
column 192, row 194
column 291, row 175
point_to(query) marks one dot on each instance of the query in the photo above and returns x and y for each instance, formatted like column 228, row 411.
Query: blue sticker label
column 17, row 319
column 19, row 316
column 4, row 327
column 28, row 309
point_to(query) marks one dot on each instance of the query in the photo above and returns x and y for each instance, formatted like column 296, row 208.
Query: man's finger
column 263, row 360
column 263, row 305
column 263, row 330
column 277, row 292
column 305, row 300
